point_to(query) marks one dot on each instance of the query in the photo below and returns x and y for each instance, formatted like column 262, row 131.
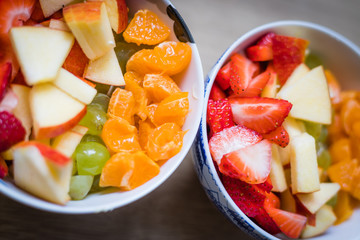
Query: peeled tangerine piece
column 128, row 170
column 41, row 51
column 90, row 25
column 325, row 218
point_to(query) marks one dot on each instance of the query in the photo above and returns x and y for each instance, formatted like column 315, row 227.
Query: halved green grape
column 74, row 169
column 95, row 186
column 94, row 119
column 332, row 202
column 312, row 60
column 91, row 158
column 92, row 138
column 323, row 156
column 102, row 100
column 80, row 186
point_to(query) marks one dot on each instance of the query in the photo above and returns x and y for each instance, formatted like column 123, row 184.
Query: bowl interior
column 191, row 80
column 337, row 53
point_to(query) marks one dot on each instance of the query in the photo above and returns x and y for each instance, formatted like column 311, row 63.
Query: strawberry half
column 259, row 53
column 279, row 136
column 251, row 164
column 267, row 40
column 242, row 71
column 14, row 13
column 231, row 139
column 5, row 76
column 216, row 92
column 260, row 114
column 11, row 130
column 256, row 85
column 219, row 115
column 223, row 77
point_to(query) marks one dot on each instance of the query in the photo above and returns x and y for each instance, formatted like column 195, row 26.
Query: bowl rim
column 211, row 79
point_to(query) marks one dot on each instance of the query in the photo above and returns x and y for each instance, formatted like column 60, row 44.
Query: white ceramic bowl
column 338, row 54
column 191, row 80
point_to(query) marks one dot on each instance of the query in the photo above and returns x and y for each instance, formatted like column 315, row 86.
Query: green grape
column 102, row 100
column 91, row 158
column 323, row 135
column 314, row 129
column 92, row 138
column 332, row 202
column 94, row 119
column 95, row 186
column 323, row 156
column 74, row 169
column 313, row 60
column 102, row 88
column 80, row 186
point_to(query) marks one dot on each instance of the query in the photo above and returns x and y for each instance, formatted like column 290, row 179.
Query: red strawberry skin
column 5, row 75
column 256, row 85
column 3, row 168
column 11, row 130
column 219, row 115
column 223, row 77
column 216, row 92
column 231, row 139
column 251, row 164
column 267, row 40
column 266, row 222
column 279, row 136
column 259, row 53
column 260, row 114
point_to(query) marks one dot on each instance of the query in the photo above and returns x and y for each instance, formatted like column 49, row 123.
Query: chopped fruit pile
column 71, row 123
column 285, row 159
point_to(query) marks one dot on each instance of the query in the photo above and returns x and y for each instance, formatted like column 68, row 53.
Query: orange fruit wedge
column 145, row 129
column 343, row 208
column 159, row 86
column 140, row 96
column 122, row 104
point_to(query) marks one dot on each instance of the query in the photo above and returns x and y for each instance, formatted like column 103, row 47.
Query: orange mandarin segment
column 355, row 140
column 119, row 135
column 133, row 76
column 146, row 28
column 128, row 170
column 122, row 104
column 343, row 173
column 349, row 114
column 340, row 150
column 355, row 186
column 164, row 142
column 150, row 111
column 172, row 109
column 343, row 208
column 159, row 86
column 140, row 96
column 335, row 130
column 145, row 129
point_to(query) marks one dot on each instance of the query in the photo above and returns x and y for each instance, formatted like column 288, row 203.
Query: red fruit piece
column 14, row 13
column 267, row 40
column 288, row 53
column 9, row 101
column 216, row 92
column 7, row 54
column 223, row 77
column 3, row 168
column 278, row 136
column 266, row 222
column 266, row 186
column 231, row 139
column 219, row 115
column 11, row 130
column 302, row 210
column 5, row 76
column 259, row 53
column 37, row 14
column 242, row 71
column 260, row 114
column 76, row 60
column 256, row 85
column 271, row 200
column 251, row 164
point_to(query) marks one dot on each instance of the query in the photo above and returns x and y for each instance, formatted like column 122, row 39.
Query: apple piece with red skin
column 59, row 25
column 67, row 142
column 42, row 171
column 80, row 129
column 53, row 111
column 325, row 218
column 49, row 7
column 22, row 110
column 76, row 61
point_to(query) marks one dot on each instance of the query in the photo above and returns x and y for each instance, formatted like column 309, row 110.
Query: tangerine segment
column 159, row 86
column 340, row 150
column 172, row 109
column 119, row 135
column 343, row 208
column 122, row 104
column 146, row 28
column 355, row 186
column 349, row 114
column 343, row 173
column 145, row 129
column 168, row 58
column 335, row 130
column 128, row 170
column 150, row 111
column 133, row 76
column 164, row 142
column 140, row 96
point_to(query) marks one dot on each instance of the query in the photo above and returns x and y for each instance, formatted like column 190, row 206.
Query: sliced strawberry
column 3, row 168
column 14, row 13
column 267, row 39
column 251, row 164
column 266, row 222
column 223, row 77
column 259, row 53
column 216, row 92
column 271, row 200
column 256, row 85
column 288, row 53
column 242, row 71
column 11, row 130
column 291, row 224
column 5, row 76
column 231, row 139
column 278, row 136
column 260, row 114
column 266, row 186
column 219, row 115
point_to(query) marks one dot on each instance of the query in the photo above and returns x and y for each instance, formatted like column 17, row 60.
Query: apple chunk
column 41, row 51
column 90, row 25
column 42, row 171
column 49, row 7
column 277, row 174
column 325, row 218
column 67, row 142
column 53, row 111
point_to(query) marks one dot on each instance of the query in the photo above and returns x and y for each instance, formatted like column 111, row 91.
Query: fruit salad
column 283, row 137
column 87, row 96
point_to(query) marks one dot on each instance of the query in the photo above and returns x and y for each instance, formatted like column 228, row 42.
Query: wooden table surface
column 179, row 208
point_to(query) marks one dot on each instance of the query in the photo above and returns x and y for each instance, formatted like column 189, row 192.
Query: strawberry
column 266, row 186
column 271, row 200
column 219, row 115
column 231, row 139
column 288, row 53
column 260, row 114
column 250, row 164
column 3, row 168
column 267, row 40
column 278, row 136
column 256, row 85
column 265, row 221
column 14, row 13
column 241, row 72
column 223, row 77
column 216, row 92
column 259, row 53
column 5, row 76
column 11, row 130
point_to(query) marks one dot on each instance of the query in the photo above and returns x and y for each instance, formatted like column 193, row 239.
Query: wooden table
column 179, row 209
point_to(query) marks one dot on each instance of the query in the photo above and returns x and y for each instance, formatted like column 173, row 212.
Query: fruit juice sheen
column 273, row 112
